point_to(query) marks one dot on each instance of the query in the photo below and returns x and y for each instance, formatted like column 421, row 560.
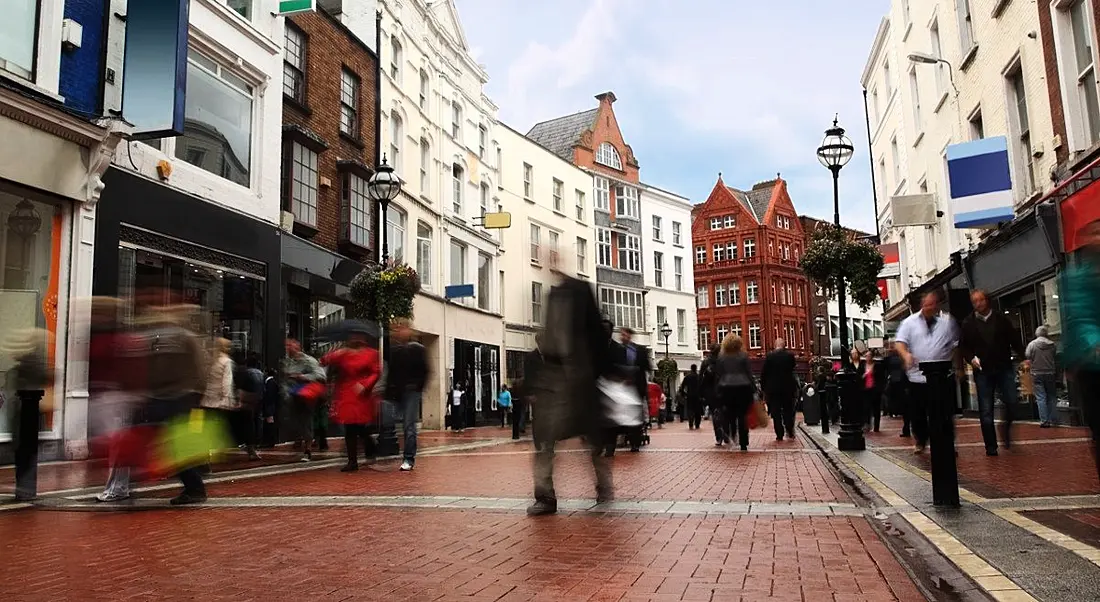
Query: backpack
column 252, row 387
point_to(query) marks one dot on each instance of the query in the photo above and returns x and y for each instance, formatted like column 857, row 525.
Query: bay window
column 217, row 132
column 623, row 307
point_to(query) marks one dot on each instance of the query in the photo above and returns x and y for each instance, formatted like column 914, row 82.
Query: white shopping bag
column 624, row 407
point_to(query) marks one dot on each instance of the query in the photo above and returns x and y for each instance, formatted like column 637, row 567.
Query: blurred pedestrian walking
column 1041, row 353
column 709, row 391
column 693, row 402
column 407, row 374
column 1081, row 348
column 299, row 369
column 353, row 371
column 778, row 381
column 897, row 388
column 987, row 342
column 564, row 392
column 735, row 387
column 926, row 336
column 504, row 402
column 632, row 362
column 458, row 407
column 114, row 371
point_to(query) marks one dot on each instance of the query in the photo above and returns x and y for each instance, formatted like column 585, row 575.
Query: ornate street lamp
column 24, row 220
column 666, row 331
column 834, row 153
column 383, row 187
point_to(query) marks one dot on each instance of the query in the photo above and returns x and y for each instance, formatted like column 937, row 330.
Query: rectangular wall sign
column 980, row 181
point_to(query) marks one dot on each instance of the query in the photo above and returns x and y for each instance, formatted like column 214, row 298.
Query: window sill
column 560, row 214
column 297, row 105
column 529, row 200
column 677, row 245
column 920, row 136
column 425, row 199
column 968, row 57
column 581, row 222
column 908, row 30
column 304, row 230
column 357, row 142
column 536, row 263
column 659, row 240
column 939, row 103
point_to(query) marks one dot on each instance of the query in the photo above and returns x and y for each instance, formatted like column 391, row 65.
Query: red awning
column 1079, row 210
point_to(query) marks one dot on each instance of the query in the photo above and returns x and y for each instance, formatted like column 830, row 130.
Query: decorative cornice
column 48, row 118
column 99, row 159
column 876, row 50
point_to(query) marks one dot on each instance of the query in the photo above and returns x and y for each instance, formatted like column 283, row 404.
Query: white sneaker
column 406, row 466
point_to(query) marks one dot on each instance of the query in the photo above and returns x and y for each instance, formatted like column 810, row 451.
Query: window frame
column 678, row 272
column 608, row 156
column 580, row 204
column 657, row 228
column 458, row 185
column 536, row 302
column 558, row 194
column 700, row 254
column 604, row 247
column 354, row 190
column 298, row 71
column 397, row 56
column 582, row 255
column 528, row 181
column 702, row 297
column 424, row 269
column 1080, row 132
column 752, row 292
column 677, row 234
column 534, row 237
column 294, row 183
column 658, row 269
column 629, row 252
column 602, row 193
column 350, row 111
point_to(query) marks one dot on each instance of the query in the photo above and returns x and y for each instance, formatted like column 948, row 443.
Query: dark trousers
column 989, row 382
column 694, row 409
column 504, row 415
column 544, row 468
column 917, row 411
column 458, row 416
column 781, row 408
column 735, row 402
column 898, row 403
column 873, row 401
column 717, row 421
column 352, row 434
column 242, row 424
column 519, row 417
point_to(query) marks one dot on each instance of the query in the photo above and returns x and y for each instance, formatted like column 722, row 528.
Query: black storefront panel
column 224, row 260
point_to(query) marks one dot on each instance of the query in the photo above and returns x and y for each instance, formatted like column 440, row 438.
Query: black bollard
column 26, row 448
column 852, row 413
column 941, row 432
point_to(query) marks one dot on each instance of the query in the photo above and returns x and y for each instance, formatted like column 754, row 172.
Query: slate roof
column 559, row 135
column 756, row 201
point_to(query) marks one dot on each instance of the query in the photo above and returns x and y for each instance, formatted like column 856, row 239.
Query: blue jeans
column 1046, row 395
column 407, row 409
column 1004, row 382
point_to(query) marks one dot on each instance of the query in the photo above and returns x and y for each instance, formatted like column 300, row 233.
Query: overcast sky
column 741, row 87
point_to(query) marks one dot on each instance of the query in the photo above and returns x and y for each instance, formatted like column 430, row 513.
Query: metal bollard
column 26, row 449
column 852, row 413
column 941, row 432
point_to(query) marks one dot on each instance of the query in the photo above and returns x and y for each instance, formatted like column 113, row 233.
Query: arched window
column 607, row 155
column 396, row 220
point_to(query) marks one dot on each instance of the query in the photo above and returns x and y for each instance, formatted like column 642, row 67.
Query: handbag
column 757, row 416
column 622, row 404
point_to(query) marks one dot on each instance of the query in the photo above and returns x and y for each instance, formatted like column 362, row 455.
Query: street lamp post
column 834, row 153
column 383, row 187
column 666, row 331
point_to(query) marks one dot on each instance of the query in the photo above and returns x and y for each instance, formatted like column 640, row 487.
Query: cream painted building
column 548, row 198
column 669, row 277
column 439, row 133
column 990, row 83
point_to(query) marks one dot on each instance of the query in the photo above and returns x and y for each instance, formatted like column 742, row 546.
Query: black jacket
column 777, row 376
column 992, row 341
column 690, row 386
column 406, row 370
column 638, row 371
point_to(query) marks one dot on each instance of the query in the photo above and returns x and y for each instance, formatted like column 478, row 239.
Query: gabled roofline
column 560, row 117
column 876, row 50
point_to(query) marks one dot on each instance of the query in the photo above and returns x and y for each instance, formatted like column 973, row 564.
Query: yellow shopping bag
column 188, row 440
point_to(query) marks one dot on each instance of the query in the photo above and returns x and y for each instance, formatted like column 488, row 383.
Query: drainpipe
column 378, row 120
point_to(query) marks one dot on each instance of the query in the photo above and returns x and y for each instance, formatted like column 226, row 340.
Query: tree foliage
column 667, row 371
column 832, row 254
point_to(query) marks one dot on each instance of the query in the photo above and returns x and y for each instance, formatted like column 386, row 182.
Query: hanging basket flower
column 382, row 294
column 833, row 254
column 667, row 371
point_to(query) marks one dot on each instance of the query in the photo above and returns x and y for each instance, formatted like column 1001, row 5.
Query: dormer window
column 607, row 155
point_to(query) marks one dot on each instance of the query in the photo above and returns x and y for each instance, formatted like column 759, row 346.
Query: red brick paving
column 1029, row 470
column 1082, row 525
column 376, row 554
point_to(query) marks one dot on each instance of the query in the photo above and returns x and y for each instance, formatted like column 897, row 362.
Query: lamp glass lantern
column 836, row 149
column 384, row 185
column 666, row 330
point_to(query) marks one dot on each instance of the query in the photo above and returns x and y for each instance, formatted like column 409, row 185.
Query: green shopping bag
column 188, row 440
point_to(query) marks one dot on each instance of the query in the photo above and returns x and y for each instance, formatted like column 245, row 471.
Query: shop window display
column 32, row 246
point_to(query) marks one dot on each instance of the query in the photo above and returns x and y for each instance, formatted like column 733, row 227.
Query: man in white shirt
column 927, row 336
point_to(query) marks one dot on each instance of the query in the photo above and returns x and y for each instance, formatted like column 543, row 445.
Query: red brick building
column 746, row 250
column 329, row 150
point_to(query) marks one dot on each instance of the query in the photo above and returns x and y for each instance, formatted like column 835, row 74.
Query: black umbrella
column 345, row 329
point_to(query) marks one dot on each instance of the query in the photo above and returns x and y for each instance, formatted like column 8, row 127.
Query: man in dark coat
column 897, row 391
column 689, row 389
column 632, row 361
column 779, row 385
column 709, row 394
column 987, row 342
column 564, row 391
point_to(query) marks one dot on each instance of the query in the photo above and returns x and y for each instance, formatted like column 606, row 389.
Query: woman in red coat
column 353, row 370
column 656, row 399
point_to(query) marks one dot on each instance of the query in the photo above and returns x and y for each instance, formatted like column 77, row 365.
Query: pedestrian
column 926, row 336
column 693, row 403
column 633, row 362
column 458, row 407
column 1081, row 286
column 734, row 380
column 872, row 381
column 519, row 407
column 897, row 389
column 269, row 408
column 113, row 369
column 656, row 397
column 708, row 388
column 177, row 370
column 1041, row 353
column 406, row 377
column 354, row 370
column 299, row 369
column 504, row 402
column 987, row 342
column 777, row 379
column 565, row 390
column 220, row 396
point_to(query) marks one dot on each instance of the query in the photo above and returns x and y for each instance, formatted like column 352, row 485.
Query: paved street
column 690, row 522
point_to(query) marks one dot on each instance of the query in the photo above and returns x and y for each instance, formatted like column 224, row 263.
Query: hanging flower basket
column 383, row 294
column 832, row 254
column 667, row 371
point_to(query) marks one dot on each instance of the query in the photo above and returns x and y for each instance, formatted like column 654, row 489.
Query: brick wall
column 82, row 68
column 1053, row 79
column 330, row 48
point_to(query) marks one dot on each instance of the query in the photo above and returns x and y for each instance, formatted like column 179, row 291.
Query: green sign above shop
column 287, row 7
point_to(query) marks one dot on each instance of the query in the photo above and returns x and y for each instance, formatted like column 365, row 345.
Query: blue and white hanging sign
column 980, row 181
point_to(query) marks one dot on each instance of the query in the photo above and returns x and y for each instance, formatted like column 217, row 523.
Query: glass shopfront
column 232, row 301
column 33, row 248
